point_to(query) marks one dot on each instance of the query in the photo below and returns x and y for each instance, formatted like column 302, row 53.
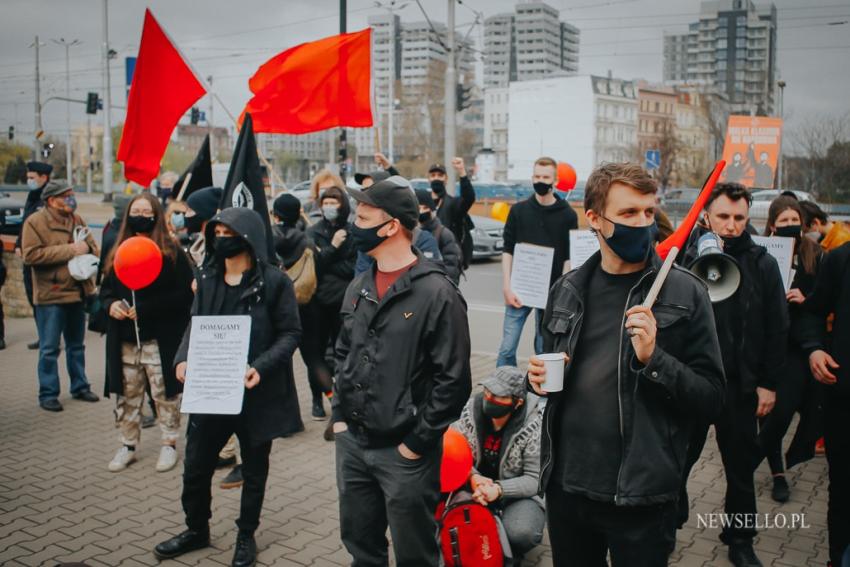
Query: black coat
column 270, row 409
column 33, row 204
column 453, row 212
column 449, row 248
column 403, row 371
column 658, row 402
column 163, row 314
column 334, row 266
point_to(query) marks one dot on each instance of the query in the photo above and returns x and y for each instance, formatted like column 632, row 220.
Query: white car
column 763, row 199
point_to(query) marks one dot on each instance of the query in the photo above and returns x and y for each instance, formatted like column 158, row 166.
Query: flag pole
column 183, row 187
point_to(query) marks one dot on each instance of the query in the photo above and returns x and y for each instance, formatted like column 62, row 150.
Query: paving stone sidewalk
column 58, row 502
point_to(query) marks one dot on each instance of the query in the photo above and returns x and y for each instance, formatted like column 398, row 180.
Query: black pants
column 583, row 531
column 737, row 439
column 320, row 326
column 2, row 321
column 380, row 488
column 205, row 437
column 797, row 392
column 837, row 440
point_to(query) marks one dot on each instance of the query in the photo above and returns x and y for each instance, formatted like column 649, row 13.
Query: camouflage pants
column 140, row 366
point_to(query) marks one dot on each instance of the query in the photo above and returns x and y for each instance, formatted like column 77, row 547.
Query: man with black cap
column 449, row 248
column 201, row 207
column 48, row 241
column 38, row 174
column 403, row 376
column 452, row 211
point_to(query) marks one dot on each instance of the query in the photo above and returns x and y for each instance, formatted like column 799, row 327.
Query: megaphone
column 718, row 270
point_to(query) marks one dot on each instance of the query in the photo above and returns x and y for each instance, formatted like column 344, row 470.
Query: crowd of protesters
column 365, row 285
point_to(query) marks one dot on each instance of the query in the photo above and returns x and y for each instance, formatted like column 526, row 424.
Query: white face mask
column 32, row 183
column 330, row 212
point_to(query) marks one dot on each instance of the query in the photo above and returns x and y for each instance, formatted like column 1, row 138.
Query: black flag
column 244, row 185
column 200, row 170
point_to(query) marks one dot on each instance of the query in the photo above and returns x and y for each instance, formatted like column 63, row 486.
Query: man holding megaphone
column 752, row 327
column 635, row 376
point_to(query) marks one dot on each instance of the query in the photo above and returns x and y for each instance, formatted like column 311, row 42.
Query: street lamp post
column 780, row 168
column 68, row 45
column 391, row 7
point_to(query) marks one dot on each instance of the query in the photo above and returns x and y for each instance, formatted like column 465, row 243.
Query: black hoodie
column 270, row 409
column 529, row 222
column 334, row 266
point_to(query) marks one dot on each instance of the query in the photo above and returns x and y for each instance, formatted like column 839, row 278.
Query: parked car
column 763, row 199
column 487, row 237
column 11, row 214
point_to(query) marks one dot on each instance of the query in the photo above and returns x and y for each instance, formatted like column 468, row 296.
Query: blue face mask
column 178, row 221
column 631, row 243
column 32, row 184
column 71, row 202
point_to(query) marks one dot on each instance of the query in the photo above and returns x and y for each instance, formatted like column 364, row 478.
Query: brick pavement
column 59, row 503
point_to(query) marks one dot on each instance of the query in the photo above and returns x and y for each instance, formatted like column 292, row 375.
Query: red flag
column 164, row 88
column 314, row 86
column 680, row 236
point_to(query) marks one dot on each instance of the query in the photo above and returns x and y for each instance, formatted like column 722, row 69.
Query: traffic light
column 343, row 147
column 92, row 103
column 11, row 133
column 463, row 96
column 46, row 149
column 195, row 115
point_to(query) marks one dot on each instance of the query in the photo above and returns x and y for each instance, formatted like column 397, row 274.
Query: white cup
column 554, row 364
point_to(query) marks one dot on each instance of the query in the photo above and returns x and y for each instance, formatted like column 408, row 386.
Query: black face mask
column 139, row 224
column 229, row 246
column 193, row 224
column 494, row 410
column 631, row 243
column 367, row 239
column 438, row 186
column 734, row 244
column 792, row 230
column 424, row 218
column 542, row 188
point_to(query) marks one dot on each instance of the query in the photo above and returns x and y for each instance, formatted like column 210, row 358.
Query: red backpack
column 471, row 535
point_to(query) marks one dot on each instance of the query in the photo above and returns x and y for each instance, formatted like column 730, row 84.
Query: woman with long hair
column 797, row 390
column 161, row 311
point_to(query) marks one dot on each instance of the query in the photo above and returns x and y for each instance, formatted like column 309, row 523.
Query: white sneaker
column 122, row 458
column 167, row 458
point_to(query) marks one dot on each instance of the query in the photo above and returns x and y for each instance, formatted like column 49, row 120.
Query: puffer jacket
column 519, row 466
column 47, row 242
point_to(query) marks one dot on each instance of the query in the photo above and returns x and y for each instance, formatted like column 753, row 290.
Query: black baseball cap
column 377, row 175
column 394, row 196
column 437, row 167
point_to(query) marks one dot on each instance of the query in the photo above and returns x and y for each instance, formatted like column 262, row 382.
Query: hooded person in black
column 335, row 260
column 289, row 240
column 544, row 219
column 240, row 281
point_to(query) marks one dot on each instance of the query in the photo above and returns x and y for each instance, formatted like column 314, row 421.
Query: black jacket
column 754, row 322
column 453, row 212
column 831, row 295
column 163, row 314
column 31, row 205
column 449, row 248
column 270, row 409
column 658, row 402
column 334, row 266
column 403, row 372
column 530, row 222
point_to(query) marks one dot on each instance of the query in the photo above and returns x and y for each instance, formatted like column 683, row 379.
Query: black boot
column 190, row 540
column 233, row 478
column 780, row 492
column 33, row 345
column 741, row 554
column 245, row 553
column 318, row 411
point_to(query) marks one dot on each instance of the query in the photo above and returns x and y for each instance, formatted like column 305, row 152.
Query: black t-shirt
column 491, row 451
column 589, row 445
column 233, row 296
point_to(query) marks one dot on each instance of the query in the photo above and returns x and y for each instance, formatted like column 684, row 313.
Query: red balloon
column 566, row 177
column 137, row 262
column 457, row 461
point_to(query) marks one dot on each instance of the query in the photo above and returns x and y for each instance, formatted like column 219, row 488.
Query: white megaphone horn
column 718, row 270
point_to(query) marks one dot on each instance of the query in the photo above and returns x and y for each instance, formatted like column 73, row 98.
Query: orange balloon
column 457, row 461
column 137, row 263
column 500, row 211
column 566, row 177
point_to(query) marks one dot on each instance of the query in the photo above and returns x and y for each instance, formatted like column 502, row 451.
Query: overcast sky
column 229, row 39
